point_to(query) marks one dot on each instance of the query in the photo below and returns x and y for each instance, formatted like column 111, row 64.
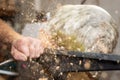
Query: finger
column 25, row 50
column 34, row 48
column 32, row 51
column 18, row 55
column 37, row 52
column 40, row 50
column 22, row 46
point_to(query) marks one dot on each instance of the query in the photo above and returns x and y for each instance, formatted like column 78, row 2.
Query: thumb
column 18, row 55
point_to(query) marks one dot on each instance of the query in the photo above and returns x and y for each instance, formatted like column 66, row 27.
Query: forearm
column 7, row 34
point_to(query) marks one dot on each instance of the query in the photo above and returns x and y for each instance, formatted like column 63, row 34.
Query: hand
column 27, row 47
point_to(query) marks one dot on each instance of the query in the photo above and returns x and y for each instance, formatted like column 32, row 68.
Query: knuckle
column 20, row 41
column 31, row 48
column 37, row 55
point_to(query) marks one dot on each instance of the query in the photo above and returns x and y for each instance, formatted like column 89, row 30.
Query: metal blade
column 8, row 67
column 10, row 73
column 75, row 61
column 99, row 56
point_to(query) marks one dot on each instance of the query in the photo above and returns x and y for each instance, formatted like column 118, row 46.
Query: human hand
column 27, row 47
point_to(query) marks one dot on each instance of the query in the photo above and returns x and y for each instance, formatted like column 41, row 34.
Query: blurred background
column 18, row 13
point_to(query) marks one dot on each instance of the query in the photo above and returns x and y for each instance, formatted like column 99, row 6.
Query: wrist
column 16, row 37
